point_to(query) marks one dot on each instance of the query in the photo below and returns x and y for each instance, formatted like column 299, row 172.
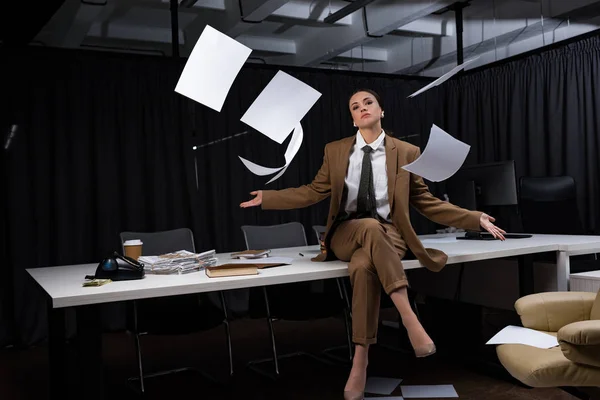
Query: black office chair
column 294, row 301
column 173, row 315
column 548, row 205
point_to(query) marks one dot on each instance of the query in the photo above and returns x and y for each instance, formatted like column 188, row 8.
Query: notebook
column 231, row 270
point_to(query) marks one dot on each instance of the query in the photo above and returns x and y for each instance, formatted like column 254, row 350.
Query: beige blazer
column 404, row 188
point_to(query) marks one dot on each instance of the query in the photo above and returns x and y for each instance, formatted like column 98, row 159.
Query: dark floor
column 23, row 373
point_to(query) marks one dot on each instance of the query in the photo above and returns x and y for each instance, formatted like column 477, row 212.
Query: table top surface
column 590, row 275
column 63, row 284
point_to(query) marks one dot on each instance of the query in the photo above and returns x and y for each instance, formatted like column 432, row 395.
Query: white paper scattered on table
column 442, row 157
column 443, row 78
column 376, row 385
column 267, row 260
column 290, row 153
column 211, row 68
column 520, row 335
column 428, row 391
column 280, row 106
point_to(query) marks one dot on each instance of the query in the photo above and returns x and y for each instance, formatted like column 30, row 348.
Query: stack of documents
column 179, row 262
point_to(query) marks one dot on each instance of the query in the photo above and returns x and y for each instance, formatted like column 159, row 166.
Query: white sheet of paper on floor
column 442, row 157
column 290, row 153
column 280, row 106
column 386, row 398
column 211, row 68
column 443, row 78
column 377, row 385
column 428, row 391
column 520, row 335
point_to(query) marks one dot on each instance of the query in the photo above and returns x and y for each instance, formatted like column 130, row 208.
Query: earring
column 382, row 114
column 354, row 124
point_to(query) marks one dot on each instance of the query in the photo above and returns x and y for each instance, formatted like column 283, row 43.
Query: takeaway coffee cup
column 133, row 248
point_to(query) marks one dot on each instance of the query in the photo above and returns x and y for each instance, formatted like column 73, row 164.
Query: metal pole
column 458, row 15
column 175, row 28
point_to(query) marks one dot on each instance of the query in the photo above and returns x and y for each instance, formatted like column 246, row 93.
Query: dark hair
column 374, row 94
column 371, row 92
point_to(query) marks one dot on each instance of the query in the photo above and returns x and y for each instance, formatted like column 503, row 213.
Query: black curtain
column 543, row 111
column 101, row 148
column 104, row 145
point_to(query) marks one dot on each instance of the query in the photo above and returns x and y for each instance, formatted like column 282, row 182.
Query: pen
column 301, row 254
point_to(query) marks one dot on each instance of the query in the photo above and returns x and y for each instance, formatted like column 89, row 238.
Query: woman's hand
column 486, row 223
column 257, row 201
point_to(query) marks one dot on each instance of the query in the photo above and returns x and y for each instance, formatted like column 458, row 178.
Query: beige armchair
column 574, row 317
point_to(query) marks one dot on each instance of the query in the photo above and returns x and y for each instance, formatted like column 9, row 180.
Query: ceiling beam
column 366, row 53
column 349, row 9
column 433, row 25
column 274, row 45
column 373, row 20
column 302, row 13
column 442, row 53
column 70, row 24
column 234, row 21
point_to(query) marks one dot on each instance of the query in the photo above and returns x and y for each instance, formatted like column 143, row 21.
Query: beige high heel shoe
column 349, row 395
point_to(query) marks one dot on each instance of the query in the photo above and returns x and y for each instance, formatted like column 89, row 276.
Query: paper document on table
column 443, row 156
column 519, row 335
column 211, row 68
column 428, row 391
column 280, row 106
column 443, row 78
column 267, row 260
column 289, row 155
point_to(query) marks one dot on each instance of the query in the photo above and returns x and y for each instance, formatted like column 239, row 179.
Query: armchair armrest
column 551, row 311
column 580, row 342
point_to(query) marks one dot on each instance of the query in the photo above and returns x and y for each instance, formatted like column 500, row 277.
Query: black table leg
column 526, row 285
column 57, row 355
column 89, row 353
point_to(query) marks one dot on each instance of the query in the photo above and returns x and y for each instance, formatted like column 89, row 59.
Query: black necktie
column 366, row 206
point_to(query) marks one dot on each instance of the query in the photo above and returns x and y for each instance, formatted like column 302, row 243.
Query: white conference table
column 63, row 286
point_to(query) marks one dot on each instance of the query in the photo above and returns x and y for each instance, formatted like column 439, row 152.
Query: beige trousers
column 374, row 251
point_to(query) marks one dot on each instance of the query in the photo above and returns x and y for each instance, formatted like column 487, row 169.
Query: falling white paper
column 290, row 153
column 428, row 391
column 280, row 106
column 443, row 156
column 377, row 385
column 211, row 68
column 519, row 335
column 443, row 78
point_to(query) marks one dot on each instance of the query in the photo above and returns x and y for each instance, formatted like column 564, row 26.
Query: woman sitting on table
column 369, row 224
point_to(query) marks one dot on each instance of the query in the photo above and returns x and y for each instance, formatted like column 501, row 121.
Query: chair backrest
column 319, row 230
column 274, row 236
column 549, row 205
column 162, row 242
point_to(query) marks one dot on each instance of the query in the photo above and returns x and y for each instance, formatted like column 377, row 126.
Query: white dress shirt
column 379, row 167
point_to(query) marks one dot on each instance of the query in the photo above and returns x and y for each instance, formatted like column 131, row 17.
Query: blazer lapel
column 391, row 160
column 340, row 171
